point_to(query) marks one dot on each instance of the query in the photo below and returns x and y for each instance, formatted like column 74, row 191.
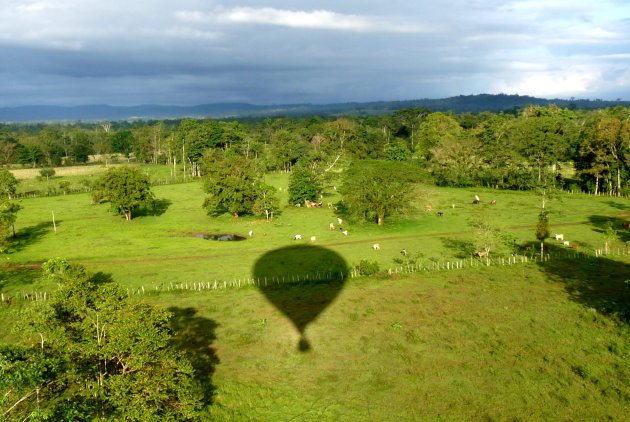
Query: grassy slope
column 485, row 344
column 164, row 249
column 500, row 343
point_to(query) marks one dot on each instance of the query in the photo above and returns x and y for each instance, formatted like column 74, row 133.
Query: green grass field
column 535, row 341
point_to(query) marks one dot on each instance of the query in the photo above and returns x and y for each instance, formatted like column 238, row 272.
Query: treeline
column 520, row 150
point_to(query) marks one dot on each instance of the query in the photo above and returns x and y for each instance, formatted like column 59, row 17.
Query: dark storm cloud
column 188, row 52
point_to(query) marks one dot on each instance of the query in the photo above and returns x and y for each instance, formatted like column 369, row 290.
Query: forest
column 578, row 150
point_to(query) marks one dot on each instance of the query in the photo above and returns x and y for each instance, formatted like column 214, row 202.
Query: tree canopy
column 374, row 189
column 92, row 353
column 126, row 188
column 233, row 185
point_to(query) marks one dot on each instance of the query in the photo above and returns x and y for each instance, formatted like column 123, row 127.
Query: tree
column 373, row 189
column 397, row 151
column 542, row 231
column 8, row 215
column 8, row 183
column 436, row 128
column 304, row 184
column 126, row 188
column 266, row 202
column 123, row 142
column 232, row 184
column 91, row 353
column 47, row 172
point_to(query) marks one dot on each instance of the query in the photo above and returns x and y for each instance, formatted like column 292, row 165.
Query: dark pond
column 227, row 237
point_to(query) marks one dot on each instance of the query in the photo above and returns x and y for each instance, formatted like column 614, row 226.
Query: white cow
column 566, row 243
column 345, row 232
column 559, row 237
column 313, row 238
column 297, row 237
column 339, row 220
column 376, row 246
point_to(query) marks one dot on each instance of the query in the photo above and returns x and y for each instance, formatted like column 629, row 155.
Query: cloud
column 317, row 19
column 199, row 51
column 552, row 83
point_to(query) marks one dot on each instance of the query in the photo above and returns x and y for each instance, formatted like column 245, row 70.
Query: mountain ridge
column 458, row 104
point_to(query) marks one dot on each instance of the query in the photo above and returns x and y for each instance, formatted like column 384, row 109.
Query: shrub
column 365, row 267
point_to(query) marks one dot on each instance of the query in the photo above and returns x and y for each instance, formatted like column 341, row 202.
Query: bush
column 365, row 267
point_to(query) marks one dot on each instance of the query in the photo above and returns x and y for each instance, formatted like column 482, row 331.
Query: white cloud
column 317, row 19
column 551, row 83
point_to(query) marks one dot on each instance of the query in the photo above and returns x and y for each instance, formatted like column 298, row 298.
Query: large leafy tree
column 232, row 184
column 8, row 183
column 92, row 353
column 126, row 188
column 373, row 189
column 304, row 184
column 605, row 150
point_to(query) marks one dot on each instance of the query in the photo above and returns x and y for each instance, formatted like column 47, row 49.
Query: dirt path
column 259, row 252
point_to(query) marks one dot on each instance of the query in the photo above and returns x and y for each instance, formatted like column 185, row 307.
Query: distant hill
column 459, row 104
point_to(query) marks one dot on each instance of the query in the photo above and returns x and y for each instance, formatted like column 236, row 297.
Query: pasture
column 524, row 342
column 159, row 247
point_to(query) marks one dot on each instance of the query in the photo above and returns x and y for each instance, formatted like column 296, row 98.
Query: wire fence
column 332, row 276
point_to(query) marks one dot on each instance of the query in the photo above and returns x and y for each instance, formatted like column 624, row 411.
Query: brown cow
column 428, row 207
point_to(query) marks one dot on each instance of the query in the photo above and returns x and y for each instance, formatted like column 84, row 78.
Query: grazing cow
column 313, row 238
column 345, row 232
column 477, row 198
column 251, row 233
column 528, row 247
column 493, row 202
column 331, row 226
column 428, row 207
column 476, row 202
column 329, row 204
column 625, row 225
column 339, row 220
column 566, row 243
column 440, row 214
column 575, row 246
column 481, row 254
column 559, row 237
column 298, row 205
column 453, row 206
column 376, row 246
column 308, row 203
column 297, row 237
column 404, row 252
column 318, row 205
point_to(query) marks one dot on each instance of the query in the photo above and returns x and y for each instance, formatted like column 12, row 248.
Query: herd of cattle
column 429, row 208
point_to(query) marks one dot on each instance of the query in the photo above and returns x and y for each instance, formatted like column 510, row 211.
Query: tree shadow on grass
column 30, row 235
column 301, row 281
column 620, row 206
column 193, row 335
column 462, row 248
column 158, row 208
column 19, row 279
column 601, row 223
column 599, row 283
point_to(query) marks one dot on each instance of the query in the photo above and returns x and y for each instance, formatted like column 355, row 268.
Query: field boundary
column 294, row 279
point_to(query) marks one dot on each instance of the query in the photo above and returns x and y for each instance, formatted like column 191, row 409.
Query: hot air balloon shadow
column 301, row 281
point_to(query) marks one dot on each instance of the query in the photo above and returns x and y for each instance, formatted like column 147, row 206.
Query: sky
column 187, row 52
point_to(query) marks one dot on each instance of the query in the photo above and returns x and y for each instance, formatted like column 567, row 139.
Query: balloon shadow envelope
column 301, row 281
